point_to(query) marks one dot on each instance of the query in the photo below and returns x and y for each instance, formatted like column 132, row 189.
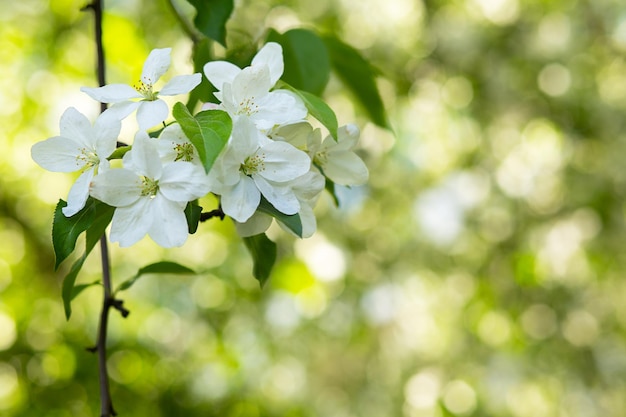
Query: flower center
column 184, row 152
column 248, row 107
column 320, row 158
column 145, row 89
column 87, row 158
column 253, row 164
column 149, row 187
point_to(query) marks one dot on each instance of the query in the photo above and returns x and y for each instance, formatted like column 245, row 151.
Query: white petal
column 107, row 129
column 156, row 65
column 250, row 85
column 220, row 72
column 144, row 156
column 58, row 154
column 169, row 225
column 346, row 168
column 283, row 162
column 277, row 108
column 112, row 93
column 183, row 181
column 271, row 55
column 280, row 196
column 131, row 223
column 151, row 113
column 245, row 139
column 78, row 194
column 75, row 125
column 307, row 218
column 257, row 224
column 122, row 109
column 309, row 186
column 181, row 84
column 347, row 139
column 116, row 187
column 241, row 200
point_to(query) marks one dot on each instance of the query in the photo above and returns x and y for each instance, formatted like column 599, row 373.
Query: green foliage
column 94, row 232
column 357, row 74
column 317, row 108
column 263, row 252
column 65, row 230
column 209, row 131
column 163, row 267
column 292, row 221
column 192, row 214
column 307, row 66
column 201, row 54
column 211, row 18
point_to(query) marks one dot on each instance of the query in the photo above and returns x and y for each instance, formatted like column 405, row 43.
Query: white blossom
column 246, row 92
column 151, row 110
column 149, row 196
column 80, row 147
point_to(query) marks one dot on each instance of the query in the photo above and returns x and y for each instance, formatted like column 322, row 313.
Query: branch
column 188, row 28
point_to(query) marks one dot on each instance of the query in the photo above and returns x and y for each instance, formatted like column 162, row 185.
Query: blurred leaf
column 330, row 187
column 263, row 252
column 192, row 214
column 359, row 77
column 292, row 221
column 307, row 66
column 65, row 230
column 164, row 267
column 209, row 131
column 203, row 92
column 80, row 288
column 317, row 108
column 103, row 216
column 212, row 17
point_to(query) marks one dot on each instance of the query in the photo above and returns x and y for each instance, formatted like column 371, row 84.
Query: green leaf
column 192, row 214
column 263, row 252
column 212, row 17
column 293, row 221
column 119, row 153
column 307, row 65
column 209, row 131
column 65, row 230
column 103, row 216
column 203, row 92
column 164, row 267
column 359, row 77
column 317, row 108
column 80, row 288
column 330, row 187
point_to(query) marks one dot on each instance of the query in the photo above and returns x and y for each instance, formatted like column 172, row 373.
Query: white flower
column 253, row 165
column 246, row 92
column 336, row 158
column 150, row 197
column 80, row 147
column 151, row 110
column 173, row 145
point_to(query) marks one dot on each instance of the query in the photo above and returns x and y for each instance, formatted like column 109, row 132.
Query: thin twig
column 106, row 404
column 188, row 28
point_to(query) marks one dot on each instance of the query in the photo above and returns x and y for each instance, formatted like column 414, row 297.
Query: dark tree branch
column 106, row 405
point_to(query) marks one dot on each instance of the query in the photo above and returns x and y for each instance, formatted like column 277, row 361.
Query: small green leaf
column 209, row 131
column 203, row 92
column 164, row 267
column 263, row 252
column 119, row 153
column 212, row 17
column 293, row 221
column 65, row 230
column 80, row 288
column 330, row 187
column 359, row 77
column 103, row 216
column 317, row 108
column 192, row 214
column 307, row 65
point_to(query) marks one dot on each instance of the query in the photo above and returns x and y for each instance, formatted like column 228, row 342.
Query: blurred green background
column 479, row 273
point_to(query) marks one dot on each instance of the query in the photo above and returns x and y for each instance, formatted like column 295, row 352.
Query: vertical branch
column 106, row 405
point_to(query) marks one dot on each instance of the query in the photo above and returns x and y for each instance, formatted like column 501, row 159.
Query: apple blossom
column 149, row 196
column 80, row 147
column 151, row 110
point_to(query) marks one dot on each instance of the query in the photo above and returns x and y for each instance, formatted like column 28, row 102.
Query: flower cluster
column 273, row 155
